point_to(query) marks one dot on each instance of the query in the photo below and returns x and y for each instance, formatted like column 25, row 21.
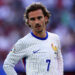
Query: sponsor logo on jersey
column 35, row 51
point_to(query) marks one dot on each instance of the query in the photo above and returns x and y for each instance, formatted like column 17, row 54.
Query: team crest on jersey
column 54, row 47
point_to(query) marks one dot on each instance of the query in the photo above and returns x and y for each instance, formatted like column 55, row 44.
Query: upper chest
column 43, row 49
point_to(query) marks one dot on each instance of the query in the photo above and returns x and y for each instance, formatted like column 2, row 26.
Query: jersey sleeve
column 13, row 57
column 60, row 58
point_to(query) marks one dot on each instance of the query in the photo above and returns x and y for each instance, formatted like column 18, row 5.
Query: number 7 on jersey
column 48, row 61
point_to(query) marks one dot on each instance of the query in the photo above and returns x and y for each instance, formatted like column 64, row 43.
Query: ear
column 46, row 19
column 27, row 21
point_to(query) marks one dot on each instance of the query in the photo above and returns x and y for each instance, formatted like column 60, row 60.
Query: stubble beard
column 40, row 31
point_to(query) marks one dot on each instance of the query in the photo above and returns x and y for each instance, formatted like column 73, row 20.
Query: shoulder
column 22, row 43
column 55, row 38
column 53, row 35
column 24, row 39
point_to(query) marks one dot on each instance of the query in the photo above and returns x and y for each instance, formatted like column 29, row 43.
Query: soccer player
column 39, row 48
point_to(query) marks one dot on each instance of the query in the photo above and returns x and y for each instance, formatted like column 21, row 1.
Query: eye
column 39, row 17
column 32, row 19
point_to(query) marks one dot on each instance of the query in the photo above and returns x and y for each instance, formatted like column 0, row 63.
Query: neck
column 40, row 34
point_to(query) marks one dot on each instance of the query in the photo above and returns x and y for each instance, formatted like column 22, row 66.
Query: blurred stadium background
column 62, row 22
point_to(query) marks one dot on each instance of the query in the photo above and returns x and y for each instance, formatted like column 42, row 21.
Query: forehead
column 36, row 13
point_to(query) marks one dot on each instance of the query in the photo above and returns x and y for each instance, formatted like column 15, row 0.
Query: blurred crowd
column 62, row 22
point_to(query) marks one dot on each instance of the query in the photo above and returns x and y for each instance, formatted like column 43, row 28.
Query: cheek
column 32, row 24
column 43, row 22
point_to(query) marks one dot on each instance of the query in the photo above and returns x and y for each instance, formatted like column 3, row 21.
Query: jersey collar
column 40, row 37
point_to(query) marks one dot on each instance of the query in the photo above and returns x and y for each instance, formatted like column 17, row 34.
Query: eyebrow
column 38, row 17
column 32, row 18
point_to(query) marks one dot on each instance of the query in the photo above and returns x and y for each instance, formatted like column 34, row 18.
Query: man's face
column 37, row 20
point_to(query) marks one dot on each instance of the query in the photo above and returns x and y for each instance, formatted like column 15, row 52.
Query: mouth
column 38, row 26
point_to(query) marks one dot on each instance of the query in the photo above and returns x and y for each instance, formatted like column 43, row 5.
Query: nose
column 36, row 21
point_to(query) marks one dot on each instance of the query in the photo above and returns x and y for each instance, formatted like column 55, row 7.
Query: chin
column 39, row 31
